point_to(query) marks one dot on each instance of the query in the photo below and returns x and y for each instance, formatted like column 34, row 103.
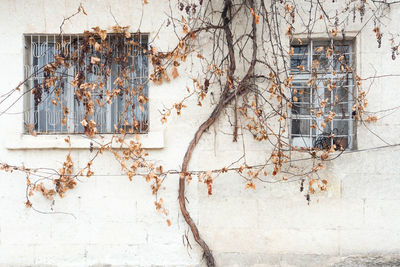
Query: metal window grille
column 125, row 112
column 332, row 92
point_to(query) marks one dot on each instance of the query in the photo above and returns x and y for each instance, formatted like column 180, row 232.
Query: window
column 58, row 107
column 322, row 95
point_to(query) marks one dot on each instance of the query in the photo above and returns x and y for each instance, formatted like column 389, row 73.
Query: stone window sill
column 151, row 140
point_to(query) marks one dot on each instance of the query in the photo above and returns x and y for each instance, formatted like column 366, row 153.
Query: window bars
column 44, row 107
column 322, row 95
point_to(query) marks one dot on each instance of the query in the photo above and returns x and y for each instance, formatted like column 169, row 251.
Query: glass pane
column 301, row 92
column 340, row 127
column 296, row 61
column 48, row 112
column 342, row 57
column 300, row 49
column 341, row 48
column 78, row 116
column 320, row 60
column 127, row 112
column 301, row 127
column 341, row 94
column 341, row 110
column 300, row 109
column 340, row 62
column 336, row 92
column 299, row 57
column 317, row 94
column 325, row 127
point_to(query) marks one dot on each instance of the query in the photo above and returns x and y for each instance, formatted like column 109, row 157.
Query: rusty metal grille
column 46, row 118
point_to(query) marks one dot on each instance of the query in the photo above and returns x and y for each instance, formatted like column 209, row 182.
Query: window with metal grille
column 322, row 95
column 45, row 112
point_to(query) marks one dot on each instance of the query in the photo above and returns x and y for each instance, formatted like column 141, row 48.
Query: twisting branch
column 228, row 94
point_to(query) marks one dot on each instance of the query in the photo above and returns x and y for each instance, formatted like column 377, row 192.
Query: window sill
column 151, row 140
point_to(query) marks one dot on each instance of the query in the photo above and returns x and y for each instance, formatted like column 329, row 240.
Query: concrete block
column 236, row 240
column 228, row 213
column 324, row 214
column 371, row 186
column 121, row 233
column 369, row 240
column 382, row 215
column 17, row 255
column 324, row 242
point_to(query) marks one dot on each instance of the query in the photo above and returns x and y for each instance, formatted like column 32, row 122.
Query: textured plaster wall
column 115, row 221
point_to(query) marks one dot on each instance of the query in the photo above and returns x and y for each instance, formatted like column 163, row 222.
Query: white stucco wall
column 115, row 220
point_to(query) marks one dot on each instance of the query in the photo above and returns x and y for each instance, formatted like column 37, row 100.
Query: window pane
column 342, row 57
column 78, row 116
column 341, row 92
column 340, row 127
column 297, row 61
column 299, row 57
column 341, row 110
column 301, row 92
column 301, row 109
column 301, row 127
column 50, row 118
column 337, row 95
column 320, row 60
column 325, row 127
column 47, row 109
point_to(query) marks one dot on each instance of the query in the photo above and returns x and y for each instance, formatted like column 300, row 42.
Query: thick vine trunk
column 182, row 202
column 227, row 95
column 224, row 100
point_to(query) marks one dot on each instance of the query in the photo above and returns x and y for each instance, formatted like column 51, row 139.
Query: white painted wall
column 116, row 222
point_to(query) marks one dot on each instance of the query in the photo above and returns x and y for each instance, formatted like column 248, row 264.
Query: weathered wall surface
column 115, row 221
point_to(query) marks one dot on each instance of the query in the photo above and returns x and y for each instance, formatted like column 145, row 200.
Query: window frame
column 312, row 140
column 110, row 109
